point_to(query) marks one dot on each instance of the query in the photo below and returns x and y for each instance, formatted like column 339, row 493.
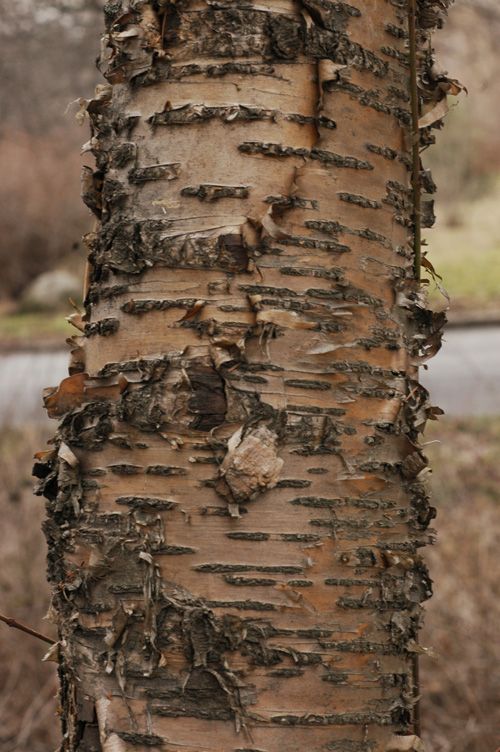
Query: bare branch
column 23, row 628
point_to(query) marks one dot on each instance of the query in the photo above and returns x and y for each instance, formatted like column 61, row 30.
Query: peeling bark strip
column 236, row 494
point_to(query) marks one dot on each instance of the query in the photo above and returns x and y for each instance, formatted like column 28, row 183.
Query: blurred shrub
column 40, row 209
column 48, row 48
column 461, row 686
column 28, row 688
column 467, row 156
column 463, row 169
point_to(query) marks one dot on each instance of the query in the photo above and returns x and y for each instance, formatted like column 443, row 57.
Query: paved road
column 23, row 375
column 464, row 377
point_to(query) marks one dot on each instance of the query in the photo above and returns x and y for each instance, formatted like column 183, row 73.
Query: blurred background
column 48, row 48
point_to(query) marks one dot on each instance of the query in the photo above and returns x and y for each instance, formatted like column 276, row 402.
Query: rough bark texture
column 235, row 494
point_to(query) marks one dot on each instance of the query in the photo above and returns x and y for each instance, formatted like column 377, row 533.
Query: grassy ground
column 34, row 329
column 464, row 248
column 460, row 686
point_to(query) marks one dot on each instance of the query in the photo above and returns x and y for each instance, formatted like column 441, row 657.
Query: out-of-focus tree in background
column 46, row 62
column 467, row 163
column 465, row 244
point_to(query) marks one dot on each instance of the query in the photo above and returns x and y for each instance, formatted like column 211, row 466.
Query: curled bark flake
column 132, row 40
column 68, row 395
column 91, row 190
column 154, row 172
column 210, row 193
column 104, row 328
column 194, row 113
column 251, row 465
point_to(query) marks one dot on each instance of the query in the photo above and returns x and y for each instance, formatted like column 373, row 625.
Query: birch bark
column 235, row 494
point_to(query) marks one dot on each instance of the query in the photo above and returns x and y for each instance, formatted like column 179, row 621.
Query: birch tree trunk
column 235, row 492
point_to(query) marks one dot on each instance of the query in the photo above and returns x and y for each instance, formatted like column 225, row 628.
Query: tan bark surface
column 235, row 495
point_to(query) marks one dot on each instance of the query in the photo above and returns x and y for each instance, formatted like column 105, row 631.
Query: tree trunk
column 235, row 497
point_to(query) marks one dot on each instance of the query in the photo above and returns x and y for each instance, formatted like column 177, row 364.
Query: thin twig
column 17, row 625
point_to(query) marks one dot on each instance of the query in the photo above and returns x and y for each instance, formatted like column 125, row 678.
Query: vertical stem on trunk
column 417, row 237
column 417, row 243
